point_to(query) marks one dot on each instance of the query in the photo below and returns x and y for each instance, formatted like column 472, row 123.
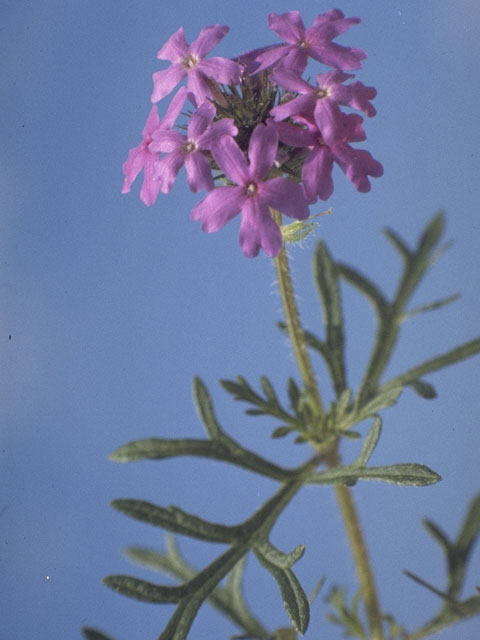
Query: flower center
column 190, row 61
column 189, row 146
column 322, row 93
column 251, row 189
column 303, row 44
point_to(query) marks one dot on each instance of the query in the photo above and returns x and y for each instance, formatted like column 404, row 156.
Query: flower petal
column 231, row 160
column 317, row 174
column 175, row 48
column 167, row 141
column 198, row 85
column 222, row 70
column 152, row 123
column 218, row 207
column 167, row 168
column 164, row 82
column 150, row 185
column 199, row 174
column 289, row 26
column 286, row 196
column 208, row 38
column 200, row 120
column 174, row 109
column 133, row 165
column 215, row 132
column 262, row 150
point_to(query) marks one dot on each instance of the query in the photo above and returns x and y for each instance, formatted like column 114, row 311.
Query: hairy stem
column 294, row 327
column 332, row 458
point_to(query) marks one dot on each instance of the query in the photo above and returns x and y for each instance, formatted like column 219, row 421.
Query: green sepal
column 407, row 474
column 178, row 521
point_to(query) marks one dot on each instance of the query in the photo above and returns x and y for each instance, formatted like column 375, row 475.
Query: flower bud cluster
column 258, row 137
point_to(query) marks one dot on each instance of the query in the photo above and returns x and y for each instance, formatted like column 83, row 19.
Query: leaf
column 462, row 548
column 294, row 599
column 433, row 306
column 161, row 448
column 438, row 534
column 178, row 521
column 268, row 389
column 204, row 406
column 143, row 590
column 365, row 286
column 326, row 278
column 294, row 394
column 370, row 443
column 228, row 600
column 382, row 400
column 93, row 634
column 444, row 360
column 279, row 558
column 398, row 243
column 281, row 432
column 424, row 389
column 408, row 474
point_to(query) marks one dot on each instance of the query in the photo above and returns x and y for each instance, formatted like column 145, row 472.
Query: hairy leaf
column 279, row 558
column 409, row 474
column 178, row 521
column 294, row 598
column 370, row 443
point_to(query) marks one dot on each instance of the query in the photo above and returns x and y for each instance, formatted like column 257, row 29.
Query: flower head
column 251, row 194
column 189, row 60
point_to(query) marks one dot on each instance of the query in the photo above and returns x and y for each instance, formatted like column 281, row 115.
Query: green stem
column 294, row 327
column 332, row 458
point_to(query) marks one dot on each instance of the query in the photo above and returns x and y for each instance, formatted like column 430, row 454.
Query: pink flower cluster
column 257, row 127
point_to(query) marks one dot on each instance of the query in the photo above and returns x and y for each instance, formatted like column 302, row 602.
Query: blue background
column 113, row 307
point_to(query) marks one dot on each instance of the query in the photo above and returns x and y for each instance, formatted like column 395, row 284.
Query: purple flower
column 321, row 102
column 142, row 157
column 315, row 42
column 189, row 60
column 357, row 164
column 251, row 194
column 189, row 150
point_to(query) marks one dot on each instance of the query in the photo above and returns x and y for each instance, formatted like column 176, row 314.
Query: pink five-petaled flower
column 188, row 150
column 189, row 60
column 315, row 42
column 142, row 156
column 321, row 102
column 251, row 194
column 357, row 164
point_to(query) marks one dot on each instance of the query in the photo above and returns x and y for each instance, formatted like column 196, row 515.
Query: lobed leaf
column 294, row 599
